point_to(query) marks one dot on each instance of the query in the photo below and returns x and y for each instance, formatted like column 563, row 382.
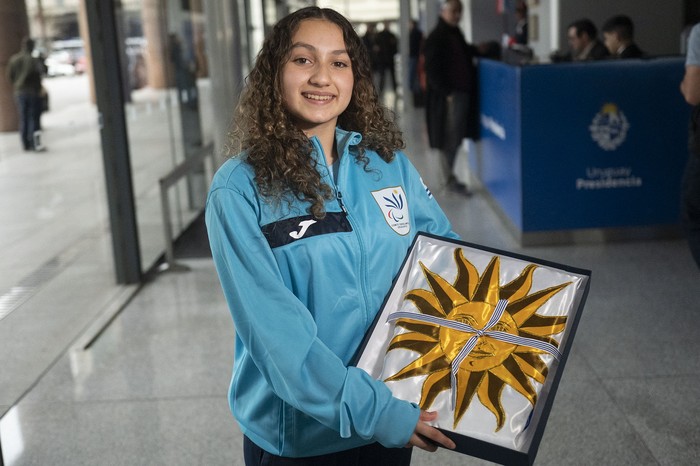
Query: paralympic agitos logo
column 393, row 203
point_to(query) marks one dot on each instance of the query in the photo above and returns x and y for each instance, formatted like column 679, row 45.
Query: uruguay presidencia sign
column 583, row 145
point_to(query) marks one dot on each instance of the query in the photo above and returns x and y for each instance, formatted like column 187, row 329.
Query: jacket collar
column 345, row 141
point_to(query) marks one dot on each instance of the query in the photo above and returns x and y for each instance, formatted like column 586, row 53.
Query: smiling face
column 317, row 79
column 488, row 353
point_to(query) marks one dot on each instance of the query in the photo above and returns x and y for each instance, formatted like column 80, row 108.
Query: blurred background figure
column 618, row 32
column 513, row 48
column 184, row 70
column 584, row 44
column 387, row 48
column 521, row 25
column 25, row 73
column 451, row 111
column 415, row 47
column 370, row 41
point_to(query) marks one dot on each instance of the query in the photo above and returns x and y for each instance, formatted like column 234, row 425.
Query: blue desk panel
column 500, row 114
column 578, row 146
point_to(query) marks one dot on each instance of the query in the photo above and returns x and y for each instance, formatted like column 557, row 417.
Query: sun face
column 475, row 336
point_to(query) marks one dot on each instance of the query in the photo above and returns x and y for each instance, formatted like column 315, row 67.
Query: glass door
column 165, row 78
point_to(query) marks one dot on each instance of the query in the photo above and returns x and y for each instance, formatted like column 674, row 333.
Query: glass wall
column 167, row 91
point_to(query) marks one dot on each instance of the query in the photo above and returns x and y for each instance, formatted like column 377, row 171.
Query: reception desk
column 574, row 152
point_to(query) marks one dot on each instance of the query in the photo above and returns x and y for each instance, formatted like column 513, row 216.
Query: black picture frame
column 477, row 447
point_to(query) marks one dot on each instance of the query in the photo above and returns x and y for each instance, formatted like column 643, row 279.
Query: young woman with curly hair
column 282, row 163
column 308, row 226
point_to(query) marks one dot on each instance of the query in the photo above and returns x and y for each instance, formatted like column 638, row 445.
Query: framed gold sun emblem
column 480, row 336
column 476, row 336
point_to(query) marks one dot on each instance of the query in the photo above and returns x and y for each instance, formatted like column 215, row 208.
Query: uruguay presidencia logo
column 609, row 127
column 393, row 203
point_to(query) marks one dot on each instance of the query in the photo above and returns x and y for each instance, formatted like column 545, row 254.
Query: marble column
column 152, row 15
column 198, row 25
column 85, row 35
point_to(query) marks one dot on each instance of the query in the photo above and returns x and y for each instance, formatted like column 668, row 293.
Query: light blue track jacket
column 304, row 291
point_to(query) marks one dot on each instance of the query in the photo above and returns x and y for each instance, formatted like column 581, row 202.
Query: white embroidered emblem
column 304, row 225
column 394, row 206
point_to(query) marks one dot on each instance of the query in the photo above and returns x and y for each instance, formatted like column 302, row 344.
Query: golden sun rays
column 475, row 336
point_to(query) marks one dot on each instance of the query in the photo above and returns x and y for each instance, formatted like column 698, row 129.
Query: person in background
column 305, row 250
column 690, row 187
column 584, row 43
column 25, row 73
column 618, row 33
column 184, row 72
column 521, row 26
column 388, row 47
column 415, row 46
column 369, row 39
column 451, row 105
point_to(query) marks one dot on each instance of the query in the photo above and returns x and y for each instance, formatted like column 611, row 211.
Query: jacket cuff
column 397, row 423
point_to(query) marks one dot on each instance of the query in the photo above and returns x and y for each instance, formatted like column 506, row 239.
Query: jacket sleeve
column 279, row 334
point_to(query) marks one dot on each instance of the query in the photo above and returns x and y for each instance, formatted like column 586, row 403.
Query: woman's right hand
column 428, row 437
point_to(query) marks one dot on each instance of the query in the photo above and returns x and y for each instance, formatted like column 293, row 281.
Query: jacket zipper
column 339, row 196
column 363, row 260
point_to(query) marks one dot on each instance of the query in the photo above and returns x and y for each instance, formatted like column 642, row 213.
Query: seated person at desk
column 618, row 32
column 584, row 43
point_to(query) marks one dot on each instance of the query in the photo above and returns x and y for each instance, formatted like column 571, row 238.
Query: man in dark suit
column 583, row 41
column 451, row 105
column 618, row 32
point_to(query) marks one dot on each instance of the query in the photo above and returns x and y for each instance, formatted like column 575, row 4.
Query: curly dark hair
column 278, row 151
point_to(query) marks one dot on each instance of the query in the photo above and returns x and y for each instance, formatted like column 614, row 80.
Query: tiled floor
column 151, row 390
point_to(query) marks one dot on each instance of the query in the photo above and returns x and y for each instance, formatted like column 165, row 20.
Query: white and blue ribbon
column 478, row 333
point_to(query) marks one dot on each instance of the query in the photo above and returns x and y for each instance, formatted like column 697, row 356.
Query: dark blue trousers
column 690, row 192
column 29, row 107
column 369, row 455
